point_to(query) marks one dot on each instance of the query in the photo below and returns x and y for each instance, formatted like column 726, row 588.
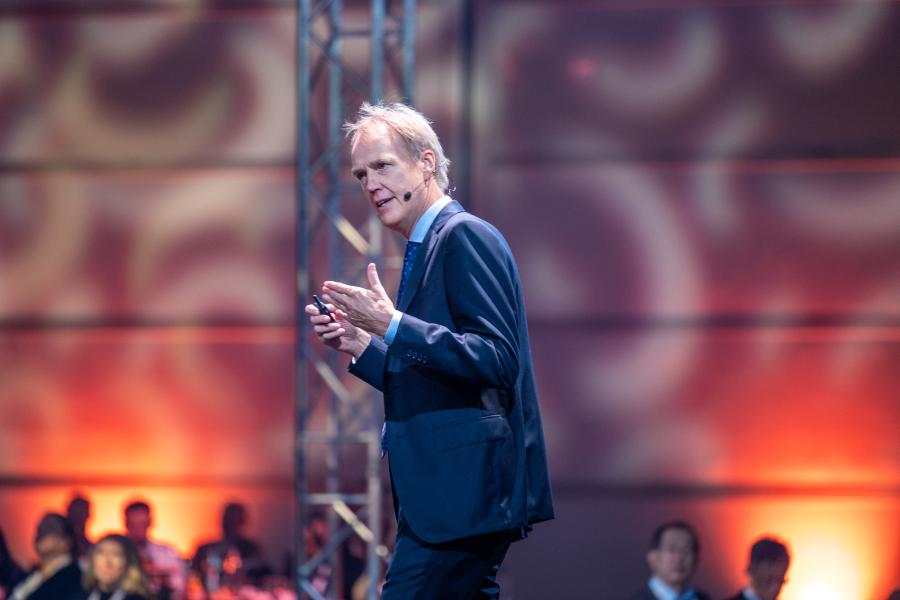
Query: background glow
column 702, row 196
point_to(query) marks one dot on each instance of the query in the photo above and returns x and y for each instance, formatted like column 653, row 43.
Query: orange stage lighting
column 839, row 546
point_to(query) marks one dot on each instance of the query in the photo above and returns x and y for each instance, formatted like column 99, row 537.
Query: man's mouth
column 381, row 203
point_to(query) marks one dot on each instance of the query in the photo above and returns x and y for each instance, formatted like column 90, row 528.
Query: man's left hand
column 369, row 309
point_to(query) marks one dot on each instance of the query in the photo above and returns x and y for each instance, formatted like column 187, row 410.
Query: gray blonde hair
column 411, row 126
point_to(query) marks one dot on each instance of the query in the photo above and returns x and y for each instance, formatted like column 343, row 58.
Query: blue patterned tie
column 409, row 257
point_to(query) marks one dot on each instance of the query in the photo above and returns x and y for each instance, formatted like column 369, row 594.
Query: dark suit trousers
column 457, row 570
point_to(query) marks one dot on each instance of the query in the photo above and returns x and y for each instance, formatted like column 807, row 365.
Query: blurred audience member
column 10, row 571
column 114, row 571
column 164, row 569
column 767, row 570
column 317, row 569
column 233, row 560
column 673, row 556
column 78, row 512
column 353, row 555
column 895, row 595
column 57, row 576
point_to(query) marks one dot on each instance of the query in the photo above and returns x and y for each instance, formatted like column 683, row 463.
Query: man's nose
column 372, row 182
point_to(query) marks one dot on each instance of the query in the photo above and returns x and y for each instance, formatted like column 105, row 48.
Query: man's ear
column 429, row 162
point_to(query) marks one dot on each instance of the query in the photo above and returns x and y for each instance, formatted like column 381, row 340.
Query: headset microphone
column 408, row 195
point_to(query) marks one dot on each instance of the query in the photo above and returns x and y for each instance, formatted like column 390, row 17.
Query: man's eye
column 381, row 165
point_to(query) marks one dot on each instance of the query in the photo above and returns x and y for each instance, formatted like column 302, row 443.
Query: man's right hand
column 340, row 334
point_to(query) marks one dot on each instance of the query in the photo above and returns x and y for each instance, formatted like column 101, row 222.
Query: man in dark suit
column 766, row 570
column 462, row 430
column 672, row 557
column 211, row 560
column 57, row 576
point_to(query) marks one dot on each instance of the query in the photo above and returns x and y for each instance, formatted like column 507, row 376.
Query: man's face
column 137, row 523
column 674, row 561
column 233, row 521
column 767, row 578
column 386, row 172
column 51, row 545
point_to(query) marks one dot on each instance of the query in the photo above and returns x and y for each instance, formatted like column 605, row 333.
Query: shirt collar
column 424, row 223
column 663, row 592
column 749, row 594
column 58, row 564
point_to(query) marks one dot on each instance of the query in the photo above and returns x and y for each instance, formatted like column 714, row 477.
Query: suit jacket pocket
column 472, row 431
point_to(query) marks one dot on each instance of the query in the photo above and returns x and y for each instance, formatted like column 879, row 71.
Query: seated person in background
column 10, row 571
column 161, row 564
column 233, row 560
column 315, row 537
column 673, row 556
column 767, row 570
column 57, row 576
column 114, row 571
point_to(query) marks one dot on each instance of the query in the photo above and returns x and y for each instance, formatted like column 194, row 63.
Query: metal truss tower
column 338, row 474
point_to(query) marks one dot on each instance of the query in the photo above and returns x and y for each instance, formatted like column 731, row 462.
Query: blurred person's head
column 115, row 564
column 138, row 520
column 767, row 569
column 78, row 512
column 673, row 554
column 234, row 518
column 54, row 537
column 316, row 532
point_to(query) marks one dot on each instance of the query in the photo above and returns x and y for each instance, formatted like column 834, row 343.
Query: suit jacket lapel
column 428, row 244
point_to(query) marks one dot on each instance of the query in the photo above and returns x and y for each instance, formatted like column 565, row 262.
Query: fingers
column 324, row 327
column 374, row 281
column 314, row 316
column 339, row 307
column 336, row 299
column 326, row 296
column 312, row 310
column 331, row 335
column 323, row 324
column 337, row 286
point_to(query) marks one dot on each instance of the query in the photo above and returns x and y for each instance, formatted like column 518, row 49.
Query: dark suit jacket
column 65, row 584
column 86, row 595
column 644, row 594
column 463, row 427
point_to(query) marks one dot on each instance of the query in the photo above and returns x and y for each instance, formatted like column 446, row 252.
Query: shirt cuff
column 392, row 328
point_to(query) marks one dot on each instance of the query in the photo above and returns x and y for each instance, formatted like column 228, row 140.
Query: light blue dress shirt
column 664, row 592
